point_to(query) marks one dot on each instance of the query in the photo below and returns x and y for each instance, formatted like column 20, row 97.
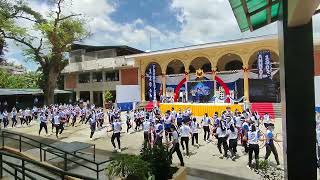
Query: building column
column 103, row 76
column 91, row 97
column 103, row 100
column 214, row 73
column 77, row 95
column 91, row 77
column 246, row 83
column 187, row 74
column 143, row 88
column 164, row 84
column 297, row 97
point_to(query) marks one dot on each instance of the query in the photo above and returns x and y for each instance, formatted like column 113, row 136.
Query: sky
column 152, row 24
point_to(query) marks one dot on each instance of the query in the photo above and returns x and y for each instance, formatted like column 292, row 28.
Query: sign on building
column 264, row 65
column 152, row 82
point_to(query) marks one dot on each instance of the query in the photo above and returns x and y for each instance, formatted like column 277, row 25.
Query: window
column 84, row 78
column 106, row 54
column 76, row 56
column 112, row 75
column 97, row 77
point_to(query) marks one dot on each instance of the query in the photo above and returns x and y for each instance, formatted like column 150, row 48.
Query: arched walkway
column 200, row 63
column 175, row 67
column 229, row 62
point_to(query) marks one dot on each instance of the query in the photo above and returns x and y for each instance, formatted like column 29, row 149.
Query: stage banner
column 151, row 75
column 264, row 65
column 200, row 91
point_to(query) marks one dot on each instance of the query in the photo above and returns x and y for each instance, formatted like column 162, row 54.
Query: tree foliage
column 46, row 41
column 26, row 80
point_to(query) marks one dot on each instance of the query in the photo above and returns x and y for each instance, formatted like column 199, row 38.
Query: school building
column 232, row 64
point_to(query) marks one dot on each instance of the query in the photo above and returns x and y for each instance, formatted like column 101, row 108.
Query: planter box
column 181, row 174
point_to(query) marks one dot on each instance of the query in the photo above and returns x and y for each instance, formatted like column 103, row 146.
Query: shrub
column 128, row 166
column 159, row 159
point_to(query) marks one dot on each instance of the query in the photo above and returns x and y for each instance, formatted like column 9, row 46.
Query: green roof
column 254, row 14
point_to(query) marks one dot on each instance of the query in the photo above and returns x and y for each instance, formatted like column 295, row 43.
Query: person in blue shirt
column 270, row 144
column 159, row 133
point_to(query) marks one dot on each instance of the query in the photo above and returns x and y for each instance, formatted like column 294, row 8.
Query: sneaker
column 119, row 150
column 248, row 167
column 91, row 139
column 233, row 158
column 198, row 145
column 221, row 156
column 114, row 150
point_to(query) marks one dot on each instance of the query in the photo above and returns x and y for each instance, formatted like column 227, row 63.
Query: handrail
column 53, row 170
column 64, row 156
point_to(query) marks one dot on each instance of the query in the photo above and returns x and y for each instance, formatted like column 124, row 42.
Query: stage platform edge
column 198, row 109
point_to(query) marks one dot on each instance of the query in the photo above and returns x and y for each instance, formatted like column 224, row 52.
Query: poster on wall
column 200, row 91
column 151, row 75
column 264, row 65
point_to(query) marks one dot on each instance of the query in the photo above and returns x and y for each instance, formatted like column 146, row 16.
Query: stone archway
column 200, row 63
column 175, row 67
column 229, row 62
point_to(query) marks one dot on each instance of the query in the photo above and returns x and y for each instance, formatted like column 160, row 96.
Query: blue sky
column 171, row 23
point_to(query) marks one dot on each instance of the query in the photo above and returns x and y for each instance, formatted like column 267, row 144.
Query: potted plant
column 108, row 99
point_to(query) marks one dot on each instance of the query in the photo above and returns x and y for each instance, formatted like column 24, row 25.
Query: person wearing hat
column 270, row 147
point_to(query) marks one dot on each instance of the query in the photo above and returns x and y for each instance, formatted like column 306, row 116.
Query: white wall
column 128, row 93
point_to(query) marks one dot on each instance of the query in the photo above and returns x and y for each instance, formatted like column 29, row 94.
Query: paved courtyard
column 205, row 158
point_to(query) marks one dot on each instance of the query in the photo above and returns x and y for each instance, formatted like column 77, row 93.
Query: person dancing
column 175, row 144
column 253, row 141
column 116, row 128
column 270, row 147
column 43, row 123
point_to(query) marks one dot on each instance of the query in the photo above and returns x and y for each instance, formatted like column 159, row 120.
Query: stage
column 198, row 109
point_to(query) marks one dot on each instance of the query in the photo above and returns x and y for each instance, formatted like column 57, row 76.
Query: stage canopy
column 8, row 92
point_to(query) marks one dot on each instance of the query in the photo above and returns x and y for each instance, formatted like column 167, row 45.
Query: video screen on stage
column 200, row 91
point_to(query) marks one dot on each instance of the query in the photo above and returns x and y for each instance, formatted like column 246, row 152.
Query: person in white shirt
column 14, row 116
column 221, row 133
column 232, row 133
column 116, row 128
column 175, row 145
column 253, row 141
column 43, row 123
column 146, row 130
column 159, row 133
column 266, row 120
column 5, row 118
column 93, row 123
column 206, row 127
column 194, row 130
column 185, row 132
column 128, row 121
column 57, row 123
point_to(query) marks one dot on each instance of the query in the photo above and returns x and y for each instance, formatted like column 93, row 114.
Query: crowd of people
column 171, row 128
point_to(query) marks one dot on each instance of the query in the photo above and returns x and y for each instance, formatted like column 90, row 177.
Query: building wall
column 317, row 63
column 129, row 76
column 70, row 81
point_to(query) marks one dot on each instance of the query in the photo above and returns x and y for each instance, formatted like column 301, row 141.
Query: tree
column 26, row 80
column 46, row 41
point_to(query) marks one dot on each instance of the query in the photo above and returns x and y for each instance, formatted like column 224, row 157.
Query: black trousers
column 93, row 129
column 233, row 146
column 185, row 140
column 43, row 125
column 5, row 122
column 223, row 141
column 14, row 121
column 59, row 127
column 194, row 137
column 128, row 126
column 176, row 148
column 206, row 133
column 253, row 148
column 115, row 136
column 146, row 136
column 271, row 148
column 74, row 119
